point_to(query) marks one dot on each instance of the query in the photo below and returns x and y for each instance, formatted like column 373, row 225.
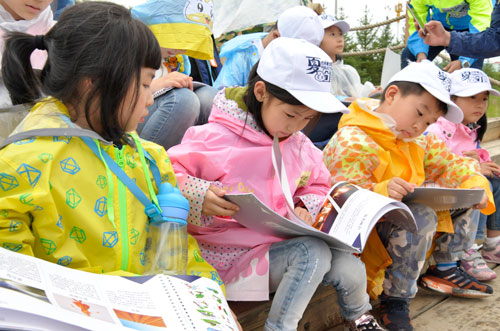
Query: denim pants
column 297, row 266
column 408, row 250
column 492, row 222
column 174, row 112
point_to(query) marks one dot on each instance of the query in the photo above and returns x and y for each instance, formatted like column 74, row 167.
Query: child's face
column 412, row 113
column 283, row 119
column 473, row 107
column 25, row 9
column 333, row 41
column 130, row 118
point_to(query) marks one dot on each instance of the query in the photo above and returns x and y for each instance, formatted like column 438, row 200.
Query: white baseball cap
column 328, row 21
column 467, row 82
column 433, row 80
column 302, row 69
column 301, row 22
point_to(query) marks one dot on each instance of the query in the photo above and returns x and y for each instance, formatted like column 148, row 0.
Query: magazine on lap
column 344, row 222
column 39, row 295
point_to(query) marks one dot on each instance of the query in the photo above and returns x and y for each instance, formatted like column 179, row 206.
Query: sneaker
column 491, row 254
column 395, row 313
column 365, row 322
column 474, row 265
column 454, row 281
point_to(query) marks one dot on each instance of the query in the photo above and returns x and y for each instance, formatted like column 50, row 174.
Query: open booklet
column 344, row 222
column 39, row 295
column 442, row 198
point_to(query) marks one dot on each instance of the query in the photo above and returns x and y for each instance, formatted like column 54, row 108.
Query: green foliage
column 369, row 67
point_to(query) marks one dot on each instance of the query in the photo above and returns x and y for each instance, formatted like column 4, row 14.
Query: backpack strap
column 151, row 209
column 51, row 132
column 88, row 136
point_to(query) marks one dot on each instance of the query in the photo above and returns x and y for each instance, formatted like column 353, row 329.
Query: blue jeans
column 492, row 222
column 174, row 112
column 298, row 266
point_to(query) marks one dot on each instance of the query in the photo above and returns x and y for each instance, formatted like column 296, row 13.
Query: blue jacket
column 484, row 44
column 241, row 54
column 471, row 15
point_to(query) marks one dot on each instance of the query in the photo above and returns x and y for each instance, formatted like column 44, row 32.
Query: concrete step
column 443, row 312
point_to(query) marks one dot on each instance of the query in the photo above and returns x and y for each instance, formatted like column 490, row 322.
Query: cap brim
column 454, row 113
column 343, row 26
column 323, row 102
column 473, row 91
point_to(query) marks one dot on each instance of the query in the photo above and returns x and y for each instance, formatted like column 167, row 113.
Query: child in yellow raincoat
column 58, row 200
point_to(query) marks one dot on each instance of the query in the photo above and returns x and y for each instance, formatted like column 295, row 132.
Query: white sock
column 491, row 241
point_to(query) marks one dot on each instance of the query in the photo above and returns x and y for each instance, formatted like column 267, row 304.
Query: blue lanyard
column 151, row 209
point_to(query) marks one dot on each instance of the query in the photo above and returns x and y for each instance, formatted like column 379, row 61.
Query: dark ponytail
column 19, row 77
column 483, row 125
column 94, row 41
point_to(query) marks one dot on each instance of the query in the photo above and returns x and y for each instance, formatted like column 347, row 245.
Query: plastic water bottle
column 166, row 245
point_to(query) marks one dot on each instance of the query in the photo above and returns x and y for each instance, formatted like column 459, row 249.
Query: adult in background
column 483, row 44
column 457, row 15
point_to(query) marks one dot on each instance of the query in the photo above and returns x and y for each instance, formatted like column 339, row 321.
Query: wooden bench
column 491, row 139
column 322, row 313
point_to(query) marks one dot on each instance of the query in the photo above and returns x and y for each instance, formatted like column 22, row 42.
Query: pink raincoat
column 458, row 138
column 233, row 153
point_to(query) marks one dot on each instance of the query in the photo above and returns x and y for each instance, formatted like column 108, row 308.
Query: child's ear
column 259, row 90
column 390, row 94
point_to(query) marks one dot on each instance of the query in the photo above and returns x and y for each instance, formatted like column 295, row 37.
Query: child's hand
column 452, row 66
column 489, row 169
column 471, row 154
column 398, row 188
column 304, row 215
column 173, row 79
column 484, row 201
column 214, row 203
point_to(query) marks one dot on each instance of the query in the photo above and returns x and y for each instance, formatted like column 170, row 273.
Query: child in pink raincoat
column 232, row 153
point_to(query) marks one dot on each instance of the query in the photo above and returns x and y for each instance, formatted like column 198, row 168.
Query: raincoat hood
column 238, row 119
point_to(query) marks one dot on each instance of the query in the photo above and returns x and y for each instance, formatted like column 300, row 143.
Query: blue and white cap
column 329, row 20
column 302, row 69
column 435, row 81
column 467, row 82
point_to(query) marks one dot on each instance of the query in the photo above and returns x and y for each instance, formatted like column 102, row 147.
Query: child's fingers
column 190, row 83
column 223, row 203
column 219, row 211
column 174, row 83
column 407, row 187
column 482, row 204
column 215, row 196
column 217, row 191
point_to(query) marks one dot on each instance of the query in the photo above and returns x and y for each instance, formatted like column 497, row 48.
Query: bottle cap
column 174, row 207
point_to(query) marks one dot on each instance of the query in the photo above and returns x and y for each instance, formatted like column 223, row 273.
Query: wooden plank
column 322, row 313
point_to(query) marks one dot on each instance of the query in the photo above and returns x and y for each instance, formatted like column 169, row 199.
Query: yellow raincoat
column 55, row 197
column 366, row 152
